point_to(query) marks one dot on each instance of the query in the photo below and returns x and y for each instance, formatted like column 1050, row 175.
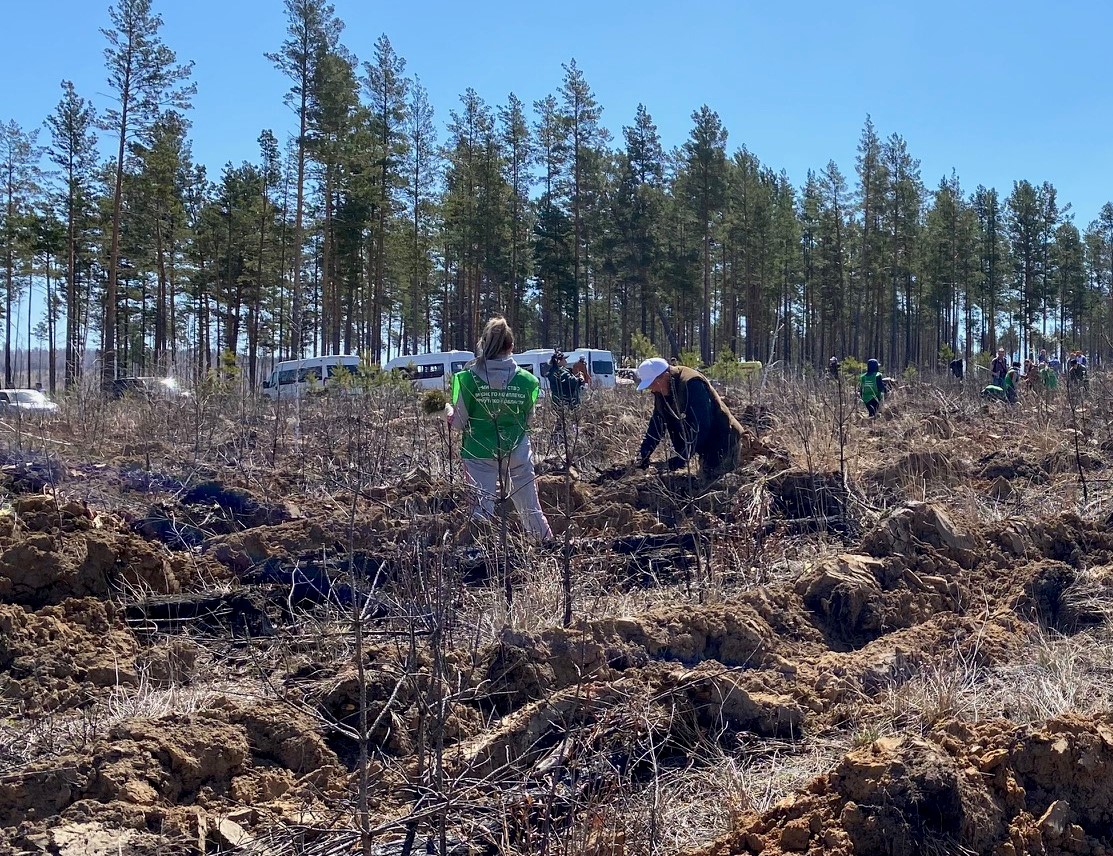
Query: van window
column 425, row 372
column 602, row 367
column 305, row 374
column 335, row 369
column 458, row 365
column 288, row 376
column 544, row 370
column 527, row 368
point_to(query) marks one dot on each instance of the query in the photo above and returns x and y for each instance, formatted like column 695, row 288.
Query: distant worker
column 957, row 367
column 1011, row 384
column 871, row 386
column 1049, row 377
column 492, row 401
column 581, row 371
column 998, row 369
column 1076, row 373
column 688, row 408
column 564, row 387
column 833, row 367
column 1006, row 389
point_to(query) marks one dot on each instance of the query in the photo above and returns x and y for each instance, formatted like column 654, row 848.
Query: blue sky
column 997, row 91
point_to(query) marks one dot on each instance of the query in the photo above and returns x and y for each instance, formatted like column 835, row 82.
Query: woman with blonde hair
column 492, row 401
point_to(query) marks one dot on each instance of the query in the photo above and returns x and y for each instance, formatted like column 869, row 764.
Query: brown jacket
column 695, row 418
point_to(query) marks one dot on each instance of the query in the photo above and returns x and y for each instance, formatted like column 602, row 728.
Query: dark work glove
column 642, row 462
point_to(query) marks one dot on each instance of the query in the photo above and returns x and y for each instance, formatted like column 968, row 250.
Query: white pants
column 518, row 480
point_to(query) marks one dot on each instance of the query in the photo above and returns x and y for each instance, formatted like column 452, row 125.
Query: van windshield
column 602, row 367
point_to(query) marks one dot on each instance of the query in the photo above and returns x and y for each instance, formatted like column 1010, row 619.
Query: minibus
column 293, row 378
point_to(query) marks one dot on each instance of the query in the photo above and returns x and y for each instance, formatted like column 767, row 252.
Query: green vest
column 497, row 418
column 870, row 385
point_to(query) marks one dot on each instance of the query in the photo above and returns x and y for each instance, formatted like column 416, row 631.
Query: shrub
column 852, row 366
column 689, row 358
column 642, row 348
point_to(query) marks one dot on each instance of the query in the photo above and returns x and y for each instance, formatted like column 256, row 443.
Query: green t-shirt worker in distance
column 492, row 401
column 872, row 387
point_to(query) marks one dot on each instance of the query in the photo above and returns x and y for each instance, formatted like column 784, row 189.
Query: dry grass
column 320, row 450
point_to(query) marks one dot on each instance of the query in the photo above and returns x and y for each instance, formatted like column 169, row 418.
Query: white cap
column 650, row 370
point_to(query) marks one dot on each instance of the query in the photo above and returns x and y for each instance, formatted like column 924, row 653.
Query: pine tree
column 420, row 167
column 580, row 114
column 312, row 31
column 73, row 151
column 991, row 253
column 518, row 155
column 872, row 180
column 165, row 166
column 1026, row 225
column 386, row 87
column 19, row 158
column 550, row 157
column 638, row 207
column 704, row 187
column 146, row 79
column 904, row 199
column 334, row 117
column 831, row 258
column 1068, row 280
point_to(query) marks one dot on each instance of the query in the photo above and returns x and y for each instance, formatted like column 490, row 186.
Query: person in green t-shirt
column 492, row 401
column 871, row 385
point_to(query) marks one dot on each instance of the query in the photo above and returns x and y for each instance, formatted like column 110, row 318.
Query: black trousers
column 873, row 405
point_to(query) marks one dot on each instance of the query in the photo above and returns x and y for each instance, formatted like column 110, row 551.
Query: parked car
column 626, row 377
column 148, row 387
column 26, row 402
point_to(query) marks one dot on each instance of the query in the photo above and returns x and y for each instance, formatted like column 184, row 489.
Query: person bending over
column 688, row 408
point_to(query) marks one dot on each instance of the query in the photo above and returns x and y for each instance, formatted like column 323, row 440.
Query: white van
column 600, row 365
column 293, row 378
column 430, row 371
column 536, row 362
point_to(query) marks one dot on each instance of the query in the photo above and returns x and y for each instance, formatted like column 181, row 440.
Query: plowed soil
column 296, row 641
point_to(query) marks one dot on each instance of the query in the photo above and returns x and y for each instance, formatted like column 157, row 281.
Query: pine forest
column 381, row 224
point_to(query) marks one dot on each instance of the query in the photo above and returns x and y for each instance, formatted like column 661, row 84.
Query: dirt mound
column 64, row 655
column 929, row 466
column 523, row 667
column 1066, row 538
column 1064, row 460
column 858, row 598
column 991, row 788
column 1010, row 465
column 916, row 527
column 809, row 501
column 208, row 509
column 1067, row 599
column 51, row 551
column 30, row 472
column 147, row 770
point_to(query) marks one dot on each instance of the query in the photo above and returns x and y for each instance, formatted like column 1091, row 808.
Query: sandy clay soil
column 231, row 629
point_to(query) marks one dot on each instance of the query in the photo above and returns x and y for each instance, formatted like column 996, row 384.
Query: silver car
column 25, row 402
